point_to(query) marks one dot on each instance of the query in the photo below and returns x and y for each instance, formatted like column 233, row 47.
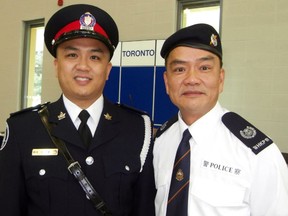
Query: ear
column 108, row 70
column 221, row 80
column 166, row 82
column 56, row 67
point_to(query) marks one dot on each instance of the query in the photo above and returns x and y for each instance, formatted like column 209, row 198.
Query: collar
column 203, row 129
column 94, row 110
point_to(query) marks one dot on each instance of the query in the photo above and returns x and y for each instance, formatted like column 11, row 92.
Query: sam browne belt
column 74, row 167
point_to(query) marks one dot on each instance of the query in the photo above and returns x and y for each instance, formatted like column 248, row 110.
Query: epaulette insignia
column 131, row 109
column 34, row 108
column 166, row 125
column 246, row 132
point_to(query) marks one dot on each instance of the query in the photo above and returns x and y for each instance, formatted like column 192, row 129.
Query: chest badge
column 45, row 152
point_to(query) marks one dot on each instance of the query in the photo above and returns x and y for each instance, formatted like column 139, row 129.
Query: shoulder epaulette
column 246, row 132
column 34, row 108
column 131, row 109
column 166, row 125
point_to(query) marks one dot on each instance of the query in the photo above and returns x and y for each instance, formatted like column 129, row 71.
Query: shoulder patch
column 246, row 132
column 166, row 125
column 4, row 137
column 131, row 109
column 34, row 108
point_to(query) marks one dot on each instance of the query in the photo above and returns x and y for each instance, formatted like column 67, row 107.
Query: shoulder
column 247, row 133
column 166, row 126
column 131, row 112
column 127, row 112
column 129, row 109
column 28, row 110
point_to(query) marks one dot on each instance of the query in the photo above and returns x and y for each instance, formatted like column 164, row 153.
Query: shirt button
column 42, row 172
column 127, row 168
column 89, row 160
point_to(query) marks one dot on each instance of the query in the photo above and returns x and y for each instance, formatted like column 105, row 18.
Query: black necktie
column 83, row 129
column 179, row 188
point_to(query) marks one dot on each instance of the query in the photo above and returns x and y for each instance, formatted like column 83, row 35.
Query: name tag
column 45, row 152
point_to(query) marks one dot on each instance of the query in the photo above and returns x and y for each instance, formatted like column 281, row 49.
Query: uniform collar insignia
column 108, row 116
column 61, row 116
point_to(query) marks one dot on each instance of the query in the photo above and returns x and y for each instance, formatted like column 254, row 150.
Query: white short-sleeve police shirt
column 226, row 177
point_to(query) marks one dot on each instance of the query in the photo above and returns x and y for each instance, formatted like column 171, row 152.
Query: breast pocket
column 221, row 192
column 47, row 182
column 40, row 169
column 121, row 174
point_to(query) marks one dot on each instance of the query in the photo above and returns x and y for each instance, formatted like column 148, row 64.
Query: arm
column 269, row 190
column 145, row 189
column 12, row 181
column 145, row 186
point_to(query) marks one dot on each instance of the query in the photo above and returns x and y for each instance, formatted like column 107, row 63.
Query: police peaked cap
column 81, row 21
column 200, row 36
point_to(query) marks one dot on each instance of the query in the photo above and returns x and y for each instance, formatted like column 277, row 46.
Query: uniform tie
column 178, row 193
column 83, row 129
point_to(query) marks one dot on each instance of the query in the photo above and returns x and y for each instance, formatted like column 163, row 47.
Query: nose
column 192, row 77
column 83, row 64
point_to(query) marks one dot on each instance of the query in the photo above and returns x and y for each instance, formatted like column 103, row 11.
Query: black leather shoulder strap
column 246, row 132
column 74, row 167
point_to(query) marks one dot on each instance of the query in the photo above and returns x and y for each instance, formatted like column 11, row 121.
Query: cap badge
column 248, row 132
column 87, row 21
column 213, row 40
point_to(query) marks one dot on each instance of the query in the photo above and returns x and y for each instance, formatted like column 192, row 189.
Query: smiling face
column 82, row 68
column 193, row 80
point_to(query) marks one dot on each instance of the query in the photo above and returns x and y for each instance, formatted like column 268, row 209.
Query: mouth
column 82, row 78
column 192, row 93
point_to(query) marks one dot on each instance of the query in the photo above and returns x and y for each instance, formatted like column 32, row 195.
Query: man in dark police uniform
column 117, row 161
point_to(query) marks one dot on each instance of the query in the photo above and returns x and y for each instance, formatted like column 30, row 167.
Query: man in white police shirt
column 235, row 170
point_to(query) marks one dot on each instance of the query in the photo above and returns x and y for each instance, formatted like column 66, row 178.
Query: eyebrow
column 206, row 58
column 201, row 59
column 99, row 50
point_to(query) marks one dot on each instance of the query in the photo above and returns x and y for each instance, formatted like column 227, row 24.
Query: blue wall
column 136, row 79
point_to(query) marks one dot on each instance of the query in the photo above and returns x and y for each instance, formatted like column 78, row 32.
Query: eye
column 71, row 55
column 94, row 57
column 205, row 68
column 178, row 69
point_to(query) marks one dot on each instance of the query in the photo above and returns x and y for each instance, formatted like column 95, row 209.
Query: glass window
column 193, row 12
column 32, row 64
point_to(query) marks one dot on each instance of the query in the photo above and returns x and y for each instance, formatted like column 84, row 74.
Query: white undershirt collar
column 94, row 110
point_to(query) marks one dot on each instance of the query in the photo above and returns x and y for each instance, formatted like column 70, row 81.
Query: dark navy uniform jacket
column 35, row 185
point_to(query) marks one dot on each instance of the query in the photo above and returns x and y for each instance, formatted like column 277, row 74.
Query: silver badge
column 163, row 126
column 248, row 132
column 87, row 21
column 61, row 116
column 6, row 136
column 213, row 40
